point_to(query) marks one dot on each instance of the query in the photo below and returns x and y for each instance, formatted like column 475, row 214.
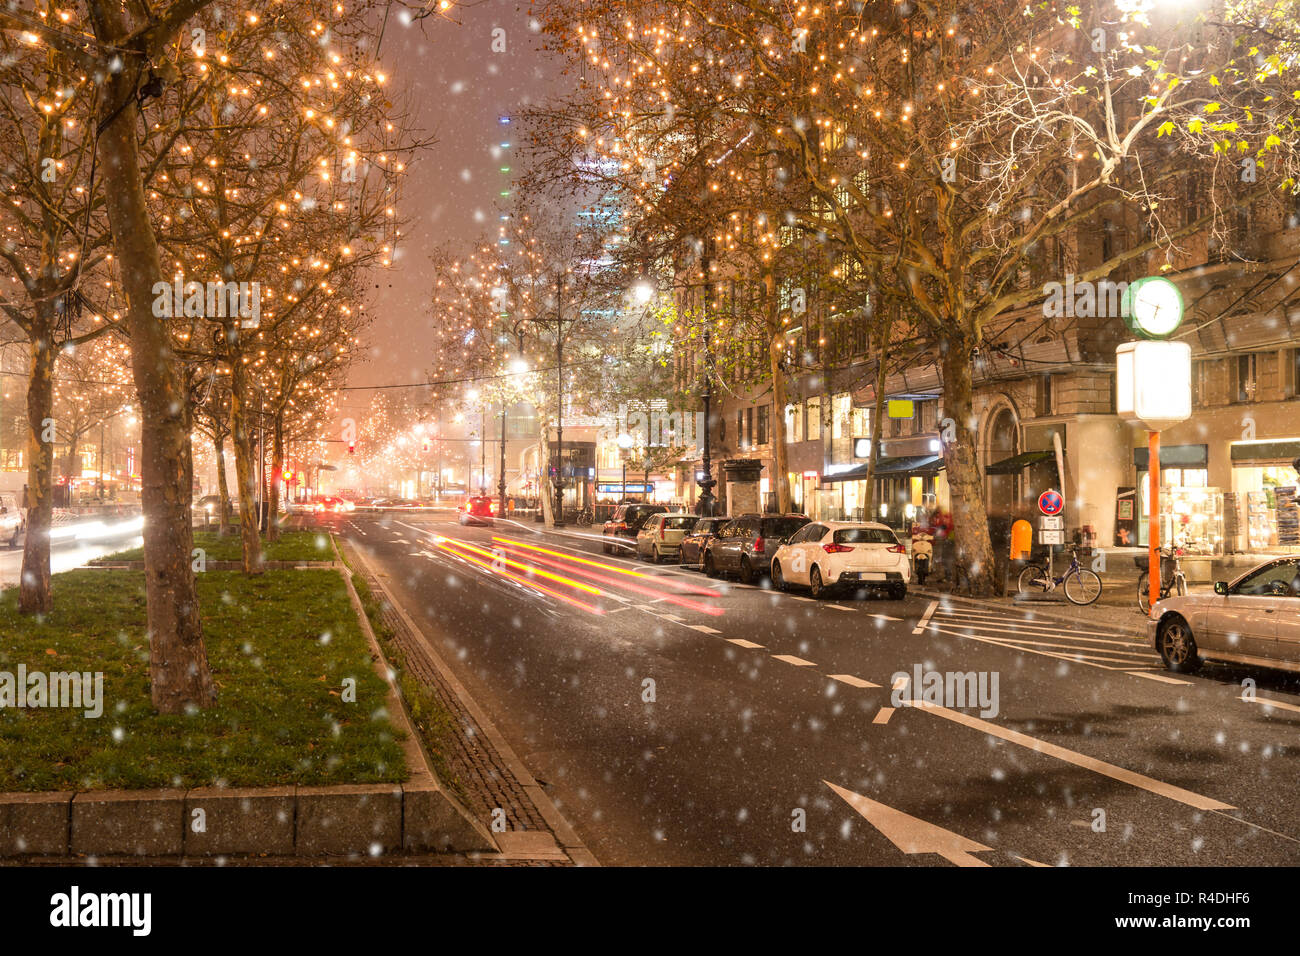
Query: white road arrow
column 912, row 835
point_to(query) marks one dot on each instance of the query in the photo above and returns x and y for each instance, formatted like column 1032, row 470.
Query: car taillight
column 662, row 531
column 836, row 548
column 621, row 526
column 897, row 549
column 759, row 545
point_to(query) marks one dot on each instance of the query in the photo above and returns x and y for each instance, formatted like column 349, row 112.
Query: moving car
column 825, row 555
column 745, row 544
column 331, row 504
column 1255, row 619
column 476, row 510
column 12, row 521
column 625, row 523
column 661, row 536
column 693, row 545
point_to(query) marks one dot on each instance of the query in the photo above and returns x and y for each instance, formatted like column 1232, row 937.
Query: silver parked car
column 660, row 538
column 1254, row 619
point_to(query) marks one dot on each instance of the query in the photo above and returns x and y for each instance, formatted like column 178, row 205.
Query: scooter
column 922, row 551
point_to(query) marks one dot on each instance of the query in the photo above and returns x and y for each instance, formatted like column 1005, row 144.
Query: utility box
column 1022, row 540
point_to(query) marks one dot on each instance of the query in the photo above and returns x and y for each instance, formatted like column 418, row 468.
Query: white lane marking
column 1160, row 677
column 791, row 659
column 1078, row 658
column 1100, row 653
column 838, row 607
column 900, row 682
column 911, row 834
column 1269, row 704
column 740, row 643
column 884, row 617
column 883, row 715
column 925, row 618
column 1122, row 774
column 852, row 681
column 1045, row 627
column 672, row 617
column 416, row 554
column 703, row 629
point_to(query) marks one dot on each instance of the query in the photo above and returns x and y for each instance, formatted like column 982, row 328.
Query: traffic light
column 426, row 446
column 352, row 447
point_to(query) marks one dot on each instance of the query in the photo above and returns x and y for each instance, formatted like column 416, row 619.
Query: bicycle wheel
column 1082, row 587
column 1032, row 579
column 1180, row 585
column 1144, row 592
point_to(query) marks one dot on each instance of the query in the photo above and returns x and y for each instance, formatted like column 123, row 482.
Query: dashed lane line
column 852, row 681
column 703, row 628
column 883, row 715
column 739, row 642
column 1267, row 704
column 1159, row 677
column 791, row 659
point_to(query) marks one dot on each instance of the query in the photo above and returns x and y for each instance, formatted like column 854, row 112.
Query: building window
column 749, row 427
column 1043, row 395
column 763, row 412
column 1245, row 383
column 1293, row 372
column 814, row 431
column 740, row 429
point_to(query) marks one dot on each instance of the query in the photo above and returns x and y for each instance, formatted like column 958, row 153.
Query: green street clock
column 1153, row 307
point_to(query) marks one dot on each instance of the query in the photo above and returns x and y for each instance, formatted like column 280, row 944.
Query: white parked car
column 843, row 554
column 12, row 521
column 660, row 538
column 1252, row 620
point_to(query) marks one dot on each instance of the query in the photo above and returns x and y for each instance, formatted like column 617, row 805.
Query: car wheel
column 710, row 568
column 746, row 572
column 1177, row 646
column 655, row 556
column 815, row 585
column 778, row 579
column 898, row 592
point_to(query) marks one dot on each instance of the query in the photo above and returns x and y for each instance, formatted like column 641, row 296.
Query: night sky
column 457, row 88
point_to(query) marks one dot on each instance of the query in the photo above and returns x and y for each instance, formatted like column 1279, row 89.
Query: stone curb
column 565, row 836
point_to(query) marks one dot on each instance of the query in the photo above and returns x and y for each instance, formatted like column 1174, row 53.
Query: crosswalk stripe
column 1159, row 677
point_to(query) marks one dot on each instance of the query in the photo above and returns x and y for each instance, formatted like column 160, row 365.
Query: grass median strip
column 282, row 646
column 290, row 546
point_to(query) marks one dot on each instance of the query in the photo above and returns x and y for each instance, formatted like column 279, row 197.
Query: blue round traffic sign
column 1051, row 502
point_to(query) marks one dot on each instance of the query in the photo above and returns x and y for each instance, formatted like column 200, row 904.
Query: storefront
column 1264, row 493
column 1191, row 512
column 906, row 486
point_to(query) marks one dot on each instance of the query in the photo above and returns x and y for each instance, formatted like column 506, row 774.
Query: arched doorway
column 1001, row 441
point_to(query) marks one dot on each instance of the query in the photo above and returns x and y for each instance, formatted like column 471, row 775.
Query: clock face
column 1155, row 307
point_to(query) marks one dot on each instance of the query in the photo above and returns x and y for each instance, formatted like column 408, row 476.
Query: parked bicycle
column 584, row 518
column 1171, row 576
column 1081, row 585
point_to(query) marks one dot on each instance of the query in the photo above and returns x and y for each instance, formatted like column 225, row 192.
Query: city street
column 768, row 735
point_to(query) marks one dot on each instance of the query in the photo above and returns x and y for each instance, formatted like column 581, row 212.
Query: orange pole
column 1153, row 527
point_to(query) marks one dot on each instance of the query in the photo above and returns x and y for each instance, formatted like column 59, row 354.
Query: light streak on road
column 657, row 578
column 543, row 589
column 632, row 587
column 529, row 568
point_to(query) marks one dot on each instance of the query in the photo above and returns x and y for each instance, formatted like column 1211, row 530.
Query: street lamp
column 706, row 504
column 1153, row 387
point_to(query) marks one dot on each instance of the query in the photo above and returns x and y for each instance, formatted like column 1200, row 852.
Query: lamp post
column 1153, row 387
column 501, row 478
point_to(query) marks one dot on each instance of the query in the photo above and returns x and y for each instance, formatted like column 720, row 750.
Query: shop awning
column 1009, row 466
column 1174, row 456
column 1281, row 451
column 908, row 465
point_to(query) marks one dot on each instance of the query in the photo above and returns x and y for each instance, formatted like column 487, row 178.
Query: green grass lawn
column 291, row 546
column 280, row 645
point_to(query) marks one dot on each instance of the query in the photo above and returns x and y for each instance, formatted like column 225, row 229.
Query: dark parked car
column 745, row 545
column 625, row 523
column 694, row 544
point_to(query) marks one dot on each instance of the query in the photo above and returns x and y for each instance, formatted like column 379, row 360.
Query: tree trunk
column 877, row 413
column 780, row 450
column 34, row 589
column 277, row 469
column 245, row 477
column 178, row 662
column 223, row 487
column 970, row 537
